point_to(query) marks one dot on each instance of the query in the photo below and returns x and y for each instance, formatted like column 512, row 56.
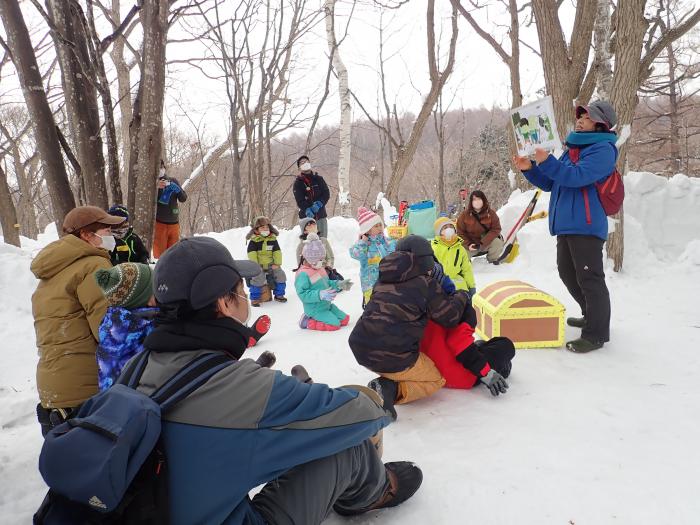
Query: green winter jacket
column 265, row 250
column 455, row 262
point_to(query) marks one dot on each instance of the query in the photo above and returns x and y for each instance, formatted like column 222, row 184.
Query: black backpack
column 141, row 499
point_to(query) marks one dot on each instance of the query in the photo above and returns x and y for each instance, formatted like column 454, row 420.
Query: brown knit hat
column 129, row 285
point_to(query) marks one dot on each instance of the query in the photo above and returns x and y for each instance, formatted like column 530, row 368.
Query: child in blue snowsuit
column 131, row 316
column 317, row 291
column 372, row 247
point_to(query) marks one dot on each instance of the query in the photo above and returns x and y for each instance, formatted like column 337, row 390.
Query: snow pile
column 666, row 210
column 577, row 439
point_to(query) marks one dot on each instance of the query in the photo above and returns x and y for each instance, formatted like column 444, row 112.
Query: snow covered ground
column 608, row 437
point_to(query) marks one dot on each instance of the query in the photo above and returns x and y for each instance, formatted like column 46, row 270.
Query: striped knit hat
column 129, row 285
column 367, row 218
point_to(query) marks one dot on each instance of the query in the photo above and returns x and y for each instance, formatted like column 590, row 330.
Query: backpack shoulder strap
column 189, row 378
column 131, row 374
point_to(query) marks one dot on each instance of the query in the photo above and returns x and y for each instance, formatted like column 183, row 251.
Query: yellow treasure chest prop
column 514, row 309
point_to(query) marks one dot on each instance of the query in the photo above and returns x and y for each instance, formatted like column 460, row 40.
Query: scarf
column 586, row 138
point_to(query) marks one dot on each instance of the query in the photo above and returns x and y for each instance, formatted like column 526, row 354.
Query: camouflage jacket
column 387, row 336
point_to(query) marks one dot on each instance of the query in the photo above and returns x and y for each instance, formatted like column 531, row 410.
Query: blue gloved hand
column 438, row 273
column 327, row 295
column 309, row 213
column 471, row 292
column 317, row 205
column 447, row 285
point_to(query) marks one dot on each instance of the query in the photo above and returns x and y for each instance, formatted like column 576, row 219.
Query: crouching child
column 386, row 339
column 264, row 249
column 317, row 291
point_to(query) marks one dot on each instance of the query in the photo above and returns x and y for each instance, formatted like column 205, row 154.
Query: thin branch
column 105, row 43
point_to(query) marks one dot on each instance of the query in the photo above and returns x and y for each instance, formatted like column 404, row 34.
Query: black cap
column 198, row 270
column 419, row 247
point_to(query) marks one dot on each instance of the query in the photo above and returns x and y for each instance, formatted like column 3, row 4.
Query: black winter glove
column 495, row 382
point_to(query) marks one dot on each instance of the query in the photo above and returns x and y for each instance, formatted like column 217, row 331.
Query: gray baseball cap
column 599, row 111
column 198, row 270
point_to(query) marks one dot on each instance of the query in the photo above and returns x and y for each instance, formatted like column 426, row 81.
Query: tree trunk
column 439, row 121
column 601, row 39
column 80, row 96
column 154, row 16
column 102, row 84
column 564, row 65
column 134, row 128
column 39, row 111
column 345, row 132
column 437, row 81
column 8, row 213
column 674, row 136
column 631, row 28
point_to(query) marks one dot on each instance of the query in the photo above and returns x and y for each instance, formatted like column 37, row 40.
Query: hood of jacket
column 60, row 254
column 215, row 334
column 399, row 267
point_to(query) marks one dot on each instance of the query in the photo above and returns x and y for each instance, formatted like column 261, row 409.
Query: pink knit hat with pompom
column 367, row 218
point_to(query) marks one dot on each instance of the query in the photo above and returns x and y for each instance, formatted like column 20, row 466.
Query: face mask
column 264, row 233
column 162, row 172
column 120, row 233
column 318, row 265
column 312, row 229
column 250, row 310
column 448, row 233
column 306, row 166
column 108, row 242
column 477, row 206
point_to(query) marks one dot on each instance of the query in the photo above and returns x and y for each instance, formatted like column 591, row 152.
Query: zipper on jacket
column 587, row 205
column 456, row 258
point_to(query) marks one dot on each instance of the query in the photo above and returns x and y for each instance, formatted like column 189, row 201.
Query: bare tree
column 8, row 213
column 19, row 46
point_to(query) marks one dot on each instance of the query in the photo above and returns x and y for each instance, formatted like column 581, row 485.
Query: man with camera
column 167, row 231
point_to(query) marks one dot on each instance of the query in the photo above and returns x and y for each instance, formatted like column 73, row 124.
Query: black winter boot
column 266, row 359
column 576, row 322
column 388, row 389
column 300, row 373
column 583, row 346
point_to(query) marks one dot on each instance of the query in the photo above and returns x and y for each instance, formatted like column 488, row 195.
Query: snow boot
column 260, row 327
column 300, row 373
column 280, row 289
column 576, row 322
column 345, row 321
column 388, row 389
column 255, row 295
column 583, row 346
column 266, row 359
column 304, row 321
column 313, row 324
column 405, row 478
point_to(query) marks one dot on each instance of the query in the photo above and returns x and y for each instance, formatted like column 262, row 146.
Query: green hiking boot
column 576, row 322
column 583, row 346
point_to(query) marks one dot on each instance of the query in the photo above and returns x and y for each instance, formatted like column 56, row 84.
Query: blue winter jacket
column 574, row 206
column 246, row 426
column 370, row 253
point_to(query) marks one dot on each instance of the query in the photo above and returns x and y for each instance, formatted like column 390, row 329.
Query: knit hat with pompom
column 367, row 218
column 313, row 250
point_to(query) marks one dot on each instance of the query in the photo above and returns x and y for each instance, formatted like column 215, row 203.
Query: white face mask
column 448, row 233
column 264, row 233
column 108, row 242
column 162, row 172
column 306, row 166
column 245, row 321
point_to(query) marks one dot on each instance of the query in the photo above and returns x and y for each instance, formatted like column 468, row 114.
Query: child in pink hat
column 370, row 249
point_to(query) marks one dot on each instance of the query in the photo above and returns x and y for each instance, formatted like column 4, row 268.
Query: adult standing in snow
column 167, row 230
column 248, row 425
column 312, row 194
column 68, row 308
column 577, row 217
column 480, row 228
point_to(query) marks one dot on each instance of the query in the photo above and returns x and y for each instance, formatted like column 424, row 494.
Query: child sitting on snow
column 316, row 291
column 372, row 247
column 386, row 339
column 453, row 257
column 308, row 225
column 464, row 362
column 131, row 316
column 264, row 249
